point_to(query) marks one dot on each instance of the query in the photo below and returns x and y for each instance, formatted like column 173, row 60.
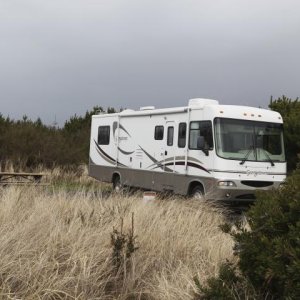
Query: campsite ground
column 74, row 239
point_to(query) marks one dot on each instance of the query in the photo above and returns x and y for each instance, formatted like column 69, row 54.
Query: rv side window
column 170, row 136
column 181, row 135
column 103, row 135
column 201, row 128
column 159, row 133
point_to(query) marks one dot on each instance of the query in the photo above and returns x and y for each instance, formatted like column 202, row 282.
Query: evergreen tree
column 290, row 111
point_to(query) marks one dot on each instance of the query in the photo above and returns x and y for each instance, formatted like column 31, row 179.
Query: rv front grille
column 257, row 184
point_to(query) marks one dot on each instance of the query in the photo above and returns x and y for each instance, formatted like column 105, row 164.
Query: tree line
column 31, row 143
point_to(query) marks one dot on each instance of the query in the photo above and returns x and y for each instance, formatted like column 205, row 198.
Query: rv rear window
column 103, row 135
column 181, row 135
column 159, row 133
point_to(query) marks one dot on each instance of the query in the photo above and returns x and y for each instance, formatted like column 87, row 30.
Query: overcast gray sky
column 61, row 57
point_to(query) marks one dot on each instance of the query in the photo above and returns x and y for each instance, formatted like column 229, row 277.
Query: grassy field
column 56, row 242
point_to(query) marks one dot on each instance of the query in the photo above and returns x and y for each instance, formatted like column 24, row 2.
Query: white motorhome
column 207, row 150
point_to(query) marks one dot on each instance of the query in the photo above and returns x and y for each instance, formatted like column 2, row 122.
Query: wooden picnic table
column 20, row 178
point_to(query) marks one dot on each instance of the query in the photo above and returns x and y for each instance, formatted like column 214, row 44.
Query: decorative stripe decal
column 115, row 126
column 177, row 158
column 157, row 163
column 98, row 147
column 189, row 163
column 125, row 152
column 245, row 172
column 152, row 158
column 106, row 156
column 107, row 160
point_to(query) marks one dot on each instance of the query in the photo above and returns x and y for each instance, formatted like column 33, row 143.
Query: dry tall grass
column 57, row 245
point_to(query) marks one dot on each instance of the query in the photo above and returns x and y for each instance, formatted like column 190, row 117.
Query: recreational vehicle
column 204, row 149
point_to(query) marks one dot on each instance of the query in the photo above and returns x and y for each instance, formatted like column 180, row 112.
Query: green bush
column 269, row 253
column 228, row 285
column 290, row 111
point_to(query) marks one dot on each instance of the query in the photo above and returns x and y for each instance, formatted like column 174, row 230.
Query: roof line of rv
column 193, row 104
column 162, row 111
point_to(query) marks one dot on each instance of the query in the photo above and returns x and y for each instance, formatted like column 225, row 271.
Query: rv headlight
column 226, row 183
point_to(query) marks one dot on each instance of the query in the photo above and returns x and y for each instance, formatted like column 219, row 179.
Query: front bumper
column 237, row 193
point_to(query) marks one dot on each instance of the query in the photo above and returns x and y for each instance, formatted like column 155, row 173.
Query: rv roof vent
column 201, row 102
column 147, row 108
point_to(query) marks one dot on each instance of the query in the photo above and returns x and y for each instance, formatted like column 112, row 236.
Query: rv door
column 169, row 154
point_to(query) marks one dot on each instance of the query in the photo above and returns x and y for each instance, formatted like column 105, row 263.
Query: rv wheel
column 117, row 184
column 197, row 193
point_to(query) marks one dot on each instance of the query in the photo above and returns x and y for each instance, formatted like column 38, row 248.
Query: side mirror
column 201, row 145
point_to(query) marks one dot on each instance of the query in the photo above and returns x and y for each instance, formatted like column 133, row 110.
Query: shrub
column 228, row 285
column 269, row 253
column 290, row 111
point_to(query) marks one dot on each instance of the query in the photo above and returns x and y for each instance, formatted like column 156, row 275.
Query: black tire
column 198, row 193
column 117, row 186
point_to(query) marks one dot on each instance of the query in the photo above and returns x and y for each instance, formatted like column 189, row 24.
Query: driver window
column 200, row 128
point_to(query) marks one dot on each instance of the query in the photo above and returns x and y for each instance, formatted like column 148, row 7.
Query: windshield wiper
column 268, row 157
column 247, row 154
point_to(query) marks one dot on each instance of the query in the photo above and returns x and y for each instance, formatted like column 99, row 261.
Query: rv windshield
column 249, row 140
